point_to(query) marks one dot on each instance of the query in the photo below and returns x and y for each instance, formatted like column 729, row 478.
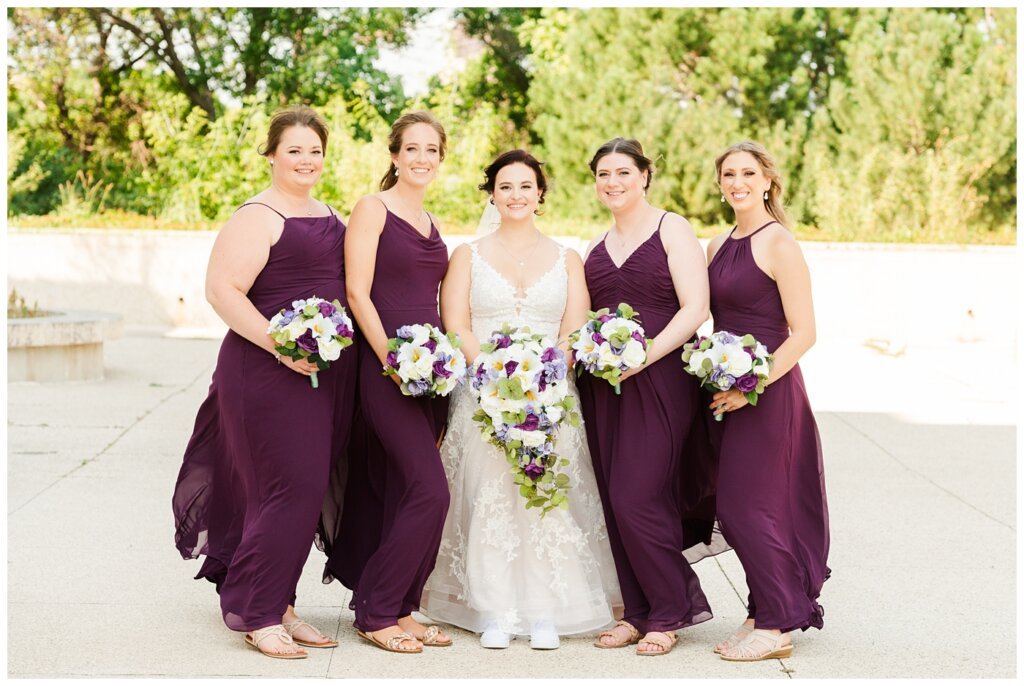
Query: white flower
column 634, row 355
column 736, row 360
column 414, row 362
column 322, row 327
column 554, row 413
column 696, row 359
column 533, row 439
column 606, row 358
column 328, row 348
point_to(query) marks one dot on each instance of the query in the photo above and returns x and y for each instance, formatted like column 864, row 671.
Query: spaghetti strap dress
column 255, row 471
column 638, row 440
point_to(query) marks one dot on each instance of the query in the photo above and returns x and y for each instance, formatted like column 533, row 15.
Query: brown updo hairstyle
column 395, row 140
column 296, row 115
column 514, row 157
column 767, row 163
column 626, row 146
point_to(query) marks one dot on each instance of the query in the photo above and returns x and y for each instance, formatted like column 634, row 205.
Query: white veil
column 490, row 220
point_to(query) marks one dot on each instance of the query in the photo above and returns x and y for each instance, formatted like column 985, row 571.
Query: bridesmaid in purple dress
column 771, row 487
column 651, row 260
column 395, row 260
column 246, row 496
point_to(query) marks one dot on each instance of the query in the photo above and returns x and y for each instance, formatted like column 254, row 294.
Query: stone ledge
column 74, row 327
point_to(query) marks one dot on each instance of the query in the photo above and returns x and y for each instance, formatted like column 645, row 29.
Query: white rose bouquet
column 313, row 329
column 723, row 360
column 609, row 344
column 428, row 362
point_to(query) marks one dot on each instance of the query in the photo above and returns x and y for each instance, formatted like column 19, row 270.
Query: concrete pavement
column 921, row 482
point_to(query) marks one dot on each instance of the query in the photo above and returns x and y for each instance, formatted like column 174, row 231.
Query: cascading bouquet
column 609, row 344
column 519, row 380
column 723, row 360
column 313, row 329
column 428, row 362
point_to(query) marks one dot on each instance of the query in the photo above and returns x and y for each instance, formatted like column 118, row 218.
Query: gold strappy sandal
column 634, row 636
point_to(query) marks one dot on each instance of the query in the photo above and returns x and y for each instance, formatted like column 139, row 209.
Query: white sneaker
column 494, row 637
column 543, row 635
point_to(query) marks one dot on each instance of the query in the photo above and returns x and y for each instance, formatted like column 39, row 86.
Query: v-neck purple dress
column 396, row 497
column 647, row 481
column 255, row 472
column 771, row 484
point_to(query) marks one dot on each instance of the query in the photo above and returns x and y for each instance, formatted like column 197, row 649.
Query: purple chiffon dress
column 386, row 537
column 255, row 472
column 771, row 486
column 657, row 494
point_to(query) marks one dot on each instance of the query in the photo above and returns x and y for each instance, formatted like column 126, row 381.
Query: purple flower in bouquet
column 286, row 317
column 598, row 338
column 531, row 422
column 392, row 358
column 534, row 470
column 326, row 308
column 405, row 332
column 307, row 342
column 746, row 383
column 439, row 365
column 606, row 318
column 510, row 367
column 637, row 336
column 418, row 387
column 431, row 345
column 722, row 379
column 502, row 342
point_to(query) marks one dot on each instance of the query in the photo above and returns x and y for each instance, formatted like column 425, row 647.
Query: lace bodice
column 493, row 300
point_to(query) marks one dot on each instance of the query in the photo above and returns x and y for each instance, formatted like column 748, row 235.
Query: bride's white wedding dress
column 499, row 561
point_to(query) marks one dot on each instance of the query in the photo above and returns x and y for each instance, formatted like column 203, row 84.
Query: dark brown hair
column 395, row 140
column 767, row 163
column 514, row 157
column 296, row 115
column 625, row 146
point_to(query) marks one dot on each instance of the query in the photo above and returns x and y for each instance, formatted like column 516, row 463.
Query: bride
column 502, row 569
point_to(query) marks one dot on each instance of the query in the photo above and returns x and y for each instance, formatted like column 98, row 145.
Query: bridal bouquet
column 610, row 343
column 428, row 362
column 519, row 380
column 722, row 361
column 313, row 329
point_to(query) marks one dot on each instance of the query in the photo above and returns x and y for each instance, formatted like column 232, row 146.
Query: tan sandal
column 733, row 640
column 292, row 627
column 759, row 645
column 254, row 638
column 666, row 648
column 634, row 636
column 391, row 644
column 429, row 637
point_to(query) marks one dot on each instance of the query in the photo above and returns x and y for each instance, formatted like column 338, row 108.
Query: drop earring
column 766, row 195
column 723, row 199
column 396, row 172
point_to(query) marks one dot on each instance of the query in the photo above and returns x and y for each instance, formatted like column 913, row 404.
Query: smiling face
column 619, row 182
column 516, row 193
column 419, row 155
column 298, row 158
column 743, row 181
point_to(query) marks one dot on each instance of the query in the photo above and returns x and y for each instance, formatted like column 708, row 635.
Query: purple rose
column 307, row 342
column 503, row 342
column 747, row 383
column 345, row 332
column 605, row 318
column 430, row 345
column 637, row 336
column 392, row 358
column 534, row 471
column 440, row 370
column 326, row 308
column 531, row 423
column 510, row 367
column 597, row 337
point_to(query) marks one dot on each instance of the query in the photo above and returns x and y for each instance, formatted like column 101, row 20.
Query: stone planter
column 64, row 346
